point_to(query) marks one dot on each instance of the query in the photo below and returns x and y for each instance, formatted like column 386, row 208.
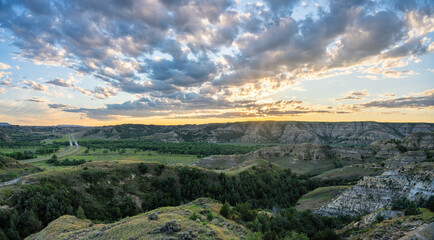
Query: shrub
column 209, row 216
column 429, row 203
column 400, row 204
column 169, row 228
column 159, row 169
column 412, row 209
column 293, row 235
column 379, row 218
column 327, row 234
column 194, row 217
column 245, row 211
column 254, row 236
column 255, row 225
column 153, row 216
column 143, row 168
column 80, row 213
column 225, row 210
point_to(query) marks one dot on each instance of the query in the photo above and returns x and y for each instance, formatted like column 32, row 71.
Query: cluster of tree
column 410, row 207
column 260, row 187
column 35, row 207
column 21, row 155
column 47, row 149
column 284, row 223
column 43, row 149
column 20, row 139
column 192, row 148
column 73, row 162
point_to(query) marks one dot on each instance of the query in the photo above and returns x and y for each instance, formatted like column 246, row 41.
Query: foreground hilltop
column 266, row 132
column 199, row 219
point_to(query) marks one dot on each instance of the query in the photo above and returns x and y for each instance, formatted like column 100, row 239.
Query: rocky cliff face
column 407, row 158
column 272, row 132
column 420, row 140
column 394, row 226
column 372, row 193
column 4, row 137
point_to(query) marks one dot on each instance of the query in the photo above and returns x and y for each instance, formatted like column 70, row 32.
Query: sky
column 93, row 63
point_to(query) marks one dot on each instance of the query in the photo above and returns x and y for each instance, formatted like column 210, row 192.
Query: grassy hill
column 109, row 191
column 199, row 219
column 11, row 169
column 350, row 173
column 319, row 197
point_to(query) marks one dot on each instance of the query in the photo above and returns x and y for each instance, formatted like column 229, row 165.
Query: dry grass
column 140, row 227
column 319, row 197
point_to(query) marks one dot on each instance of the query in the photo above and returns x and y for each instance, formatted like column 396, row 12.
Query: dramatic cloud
column 354, row 95
column 6, row 83
column 35, row 99
column 60, row 82
column 387, row 95
column 35, row 86
column 188, row 106
column 99, row 92
column 4, row 66
column 5, row 79
column 60, row 106
column 177, row 57
column 104, row 92
column 424, row 101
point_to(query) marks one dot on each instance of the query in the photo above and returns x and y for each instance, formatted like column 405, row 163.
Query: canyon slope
column 266, row 132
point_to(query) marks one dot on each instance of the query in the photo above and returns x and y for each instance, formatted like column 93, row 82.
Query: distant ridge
column 69, row 126
column 4, row 124
column 347, row 133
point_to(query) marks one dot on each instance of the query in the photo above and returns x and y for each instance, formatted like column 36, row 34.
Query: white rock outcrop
column 372, row 193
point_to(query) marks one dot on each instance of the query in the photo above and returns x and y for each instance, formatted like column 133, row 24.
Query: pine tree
column 80, row 213
column 225, row 211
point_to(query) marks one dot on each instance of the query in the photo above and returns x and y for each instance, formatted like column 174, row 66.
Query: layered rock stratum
column 414, row 182
column 268, row 132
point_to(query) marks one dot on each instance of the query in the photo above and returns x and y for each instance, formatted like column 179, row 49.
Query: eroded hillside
column 267, row 132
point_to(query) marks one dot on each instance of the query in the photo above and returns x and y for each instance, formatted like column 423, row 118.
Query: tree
column 245, row 211
column 2, row 235
column 255, row 225
column 225, row 210
column 412, row 209
column 293, row 235
column 29, row 223
column 143, row 168
column 379, row 218
column 327, row 234
column 400, row 203
column 254, row 236
column 209, row 216
column 80, row 213
column 429, row 203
